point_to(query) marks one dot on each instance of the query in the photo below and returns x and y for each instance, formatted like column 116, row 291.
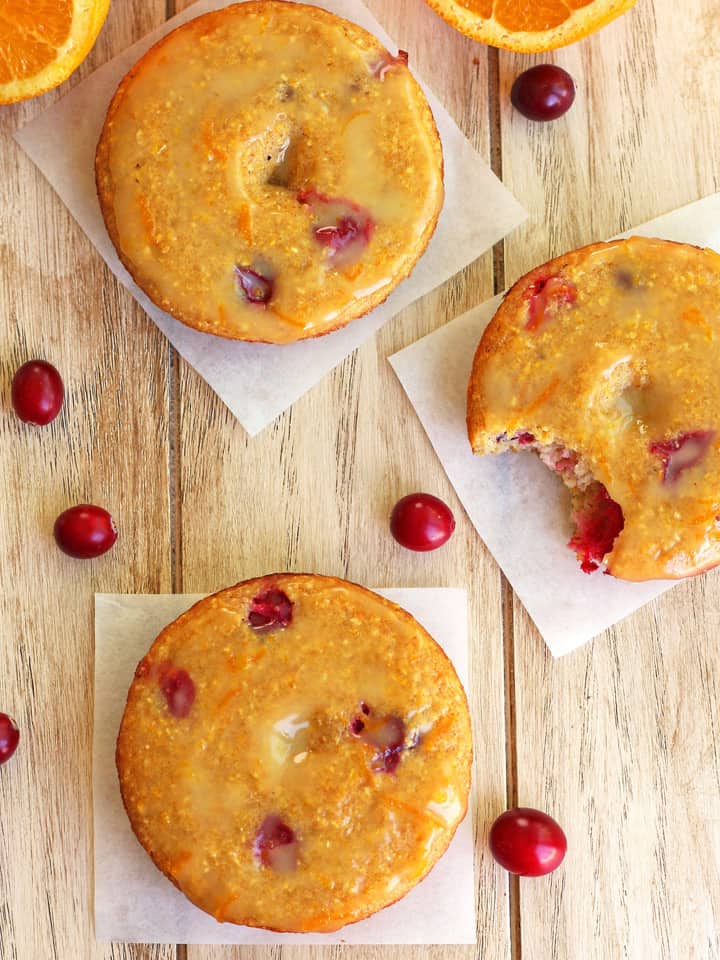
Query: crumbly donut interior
column 597, row 518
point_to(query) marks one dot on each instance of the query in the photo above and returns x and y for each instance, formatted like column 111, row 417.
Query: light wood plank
column 109, row 446
column 619, row 741
column 314, row 491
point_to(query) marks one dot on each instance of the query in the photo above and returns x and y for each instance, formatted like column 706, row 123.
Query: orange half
column 529, row 26
column 43, row 41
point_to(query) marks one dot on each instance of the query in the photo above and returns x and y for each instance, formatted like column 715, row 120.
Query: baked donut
column 605, row 363
column 295, row 753
column 269, row 172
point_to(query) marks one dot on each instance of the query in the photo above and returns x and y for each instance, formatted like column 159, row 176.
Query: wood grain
column 619, row 740
column 314, row 490
column 109, row 446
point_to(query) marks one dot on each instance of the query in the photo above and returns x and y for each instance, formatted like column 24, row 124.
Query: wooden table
column 620, row 741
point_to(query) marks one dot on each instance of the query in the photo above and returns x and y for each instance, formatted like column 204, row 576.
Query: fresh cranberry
column 543, row 93
column 178, row 689
column 527, row 842
column 682, row 452
column 276, row 845
column 386, row 733
column 545, row 295
column 597, row 525
column 272, row 608
column 253, row 286
column 85, row 531
column 421, row 521
column 37, row 392
column 9, row 737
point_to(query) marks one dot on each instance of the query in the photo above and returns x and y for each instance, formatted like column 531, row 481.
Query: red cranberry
column 597, row 525
column 681, row 452
column 388, row 62
column 544, row 92
column 346, row 232
column 421, row 522
column 272, row 608
column 85, row 531
column 385, row 733
column 276, row 845
column 178, row 689
column 9, row 737
column 527, row 842
column 545, row 296
column 37, row 392
column 254, row 287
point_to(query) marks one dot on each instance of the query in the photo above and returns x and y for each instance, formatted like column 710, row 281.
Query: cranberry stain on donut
column 178, row 689
column 253, row 286
column 681, row 452
column 388, row 62
column 545, row 296
column 276, row 845
column 342, row 226
column 385, row 733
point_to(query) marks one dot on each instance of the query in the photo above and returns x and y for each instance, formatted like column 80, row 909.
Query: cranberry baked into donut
column 605, row 362
column 295, row 753
column 269, row 172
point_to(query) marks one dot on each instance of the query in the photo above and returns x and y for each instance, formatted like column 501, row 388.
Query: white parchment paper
column 517, row 506
column 259, row 381
column 135, row 902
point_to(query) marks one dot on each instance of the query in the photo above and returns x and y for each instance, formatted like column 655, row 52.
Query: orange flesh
column 30, row 33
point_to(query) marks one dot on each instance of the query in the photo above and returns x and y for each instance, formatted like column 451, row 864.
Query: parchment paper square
column 134, row 902
column 259, row 381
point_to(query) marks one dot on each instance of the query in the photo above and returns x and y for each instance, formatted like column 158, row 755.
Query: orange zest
column 43, row 41
column 543, row 396
column 529, row 27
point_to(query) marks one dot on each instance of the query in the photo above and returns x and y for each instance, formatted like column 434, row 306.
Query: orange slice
column 43, row 41
column 529, row 26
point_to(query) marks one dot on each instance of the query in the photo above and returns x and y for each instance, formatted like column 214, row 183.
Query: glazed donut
column 295, row 753
column 605, row 363
column 269, row 172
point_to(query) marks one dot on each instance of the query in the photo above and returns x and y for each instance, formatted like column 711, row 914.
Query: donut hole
column 273, row 157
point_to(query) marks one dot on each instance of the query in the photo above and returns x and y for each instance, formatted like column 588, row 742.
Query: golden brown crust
column 618, row 377
column 356, row 305
column 308, row 591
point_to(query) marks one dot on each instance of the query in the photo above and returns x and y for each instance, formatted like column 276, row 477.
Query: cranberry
column 276, row 845
column 388, row 62
column 421, row 521
column 544, row 92
column 681, row 452
column 341, row 225
column 253, row 286
column 597, row 525
column 37, row 392
column 178, row 689
column 272, row 608
column 545, row 295
column 346, row 232
column 527, row 842
column 9, row 737
column 85, row 531
column 385, row 733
